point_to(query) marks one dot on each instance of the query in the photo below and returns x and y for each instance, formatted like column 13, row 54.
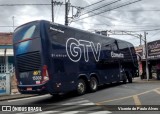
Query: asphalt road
column 128, row 96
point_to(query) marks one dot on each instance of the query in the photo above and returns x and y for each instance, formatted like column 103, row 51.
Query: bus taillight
column 45, row 76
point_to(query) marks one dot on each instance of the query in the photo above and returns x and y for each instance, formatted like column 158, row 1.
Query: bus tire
column 124, row 79
column 93, row 84
column 129, row 77
column 56, row 96
column 81, row 87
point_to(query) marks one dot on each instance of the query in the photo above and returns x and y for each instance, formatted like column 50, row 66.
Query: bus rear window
column 26, row 31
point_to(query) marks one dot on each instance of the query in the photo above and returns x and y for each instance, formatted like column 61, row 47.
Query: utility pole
column 53, row 3
column 67, row 7
column 140, row 37
column 146, row 56
column 52, row 10
column 13, row 22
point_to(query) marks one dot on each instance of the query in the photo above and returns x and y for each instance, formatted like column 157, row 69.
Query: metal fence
column 4, row 68
column 5, row 79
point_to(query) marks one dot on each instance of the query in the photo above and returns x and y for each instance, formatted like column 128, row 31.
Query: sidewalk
column 14, row 92
column 139, row 80
column 15, row 95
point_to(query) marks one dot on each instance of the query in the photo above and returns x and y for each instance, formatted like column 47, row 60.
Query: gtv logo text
column 74, row 49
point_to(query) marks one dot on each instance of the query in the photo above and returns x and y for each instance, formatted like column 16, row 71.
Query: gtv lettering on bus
column 74, row 50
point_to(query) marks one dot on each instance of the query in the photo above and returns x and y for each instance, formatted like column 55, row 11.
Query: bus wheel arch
column 129, row 76
column 82, row 84
column 93, row 83
column 124, row 78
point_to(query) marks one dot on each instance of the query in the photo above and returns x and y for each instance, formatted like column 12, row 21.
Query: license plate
column 29, row 89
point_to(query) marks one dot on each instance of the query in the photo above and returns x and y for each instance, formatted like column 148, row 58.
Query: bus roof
column 56, row 24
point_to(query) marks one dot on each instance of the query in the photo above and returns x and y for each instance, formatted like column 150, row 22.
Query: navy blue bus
column 53, row 58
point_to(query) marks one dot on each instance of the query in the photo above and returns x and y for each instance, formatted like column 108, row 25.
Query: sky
column 140, row 16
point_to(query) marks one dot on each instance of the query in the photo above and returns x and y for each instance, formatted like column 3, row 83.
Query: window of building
column 2, row 60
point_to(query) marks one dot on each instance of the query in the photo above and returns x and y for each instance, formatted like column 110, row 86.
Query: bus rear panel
column 31, row 71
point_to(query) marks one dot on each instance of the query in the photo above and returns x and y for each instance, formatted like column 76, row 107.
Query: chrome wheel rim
column 81, row 87
column 93, row 84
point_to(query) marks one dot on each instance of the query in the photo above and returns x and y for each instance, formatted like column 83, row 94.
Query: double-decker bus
column 53, row 58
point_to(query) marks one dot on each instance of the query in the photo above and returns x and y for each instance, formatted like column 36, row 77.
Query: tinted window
column 107, row 47
column 122, row 45
column 2, row 60
column 59, row 35
column 114, row 47
column 30, row 30
column 11, row 59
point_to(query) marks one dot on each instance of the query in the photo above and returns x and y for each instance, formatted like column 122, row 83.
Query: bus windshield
column 24, row 38
column 26, row 31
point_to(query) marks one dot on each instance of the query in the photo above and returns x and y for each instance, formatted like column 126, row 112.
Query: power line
column 22, row 4
column 93, row 4
column 122, row 25
column 154, row 34
column 143, row 10
column 157, row 29
column 110, row 19
column 123, row 11
column 108, row 10
column 8, row 26
column 100, row 7
column 146, row 30
column 150, row 30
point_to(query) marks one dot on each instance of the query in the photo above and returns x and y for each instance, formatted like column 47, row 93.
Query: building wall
column 6, row 52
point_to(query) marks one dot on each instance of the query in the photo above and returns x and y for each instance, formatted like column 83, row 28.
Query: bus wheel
column 129, row 77
column 124, row 79
column 81, row 87
column 93, row 84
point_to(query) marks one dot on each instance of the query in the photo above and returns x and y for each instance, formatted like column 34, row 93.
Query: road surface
column 136, row 94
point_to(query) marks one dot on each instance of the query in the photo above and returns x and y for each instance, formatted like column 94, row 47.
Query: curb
column 138, row 80
column 16, row 96
column 145, row 81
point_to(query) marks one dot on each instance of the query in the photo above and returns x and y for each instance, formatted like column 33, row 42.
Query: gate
column 5, row 79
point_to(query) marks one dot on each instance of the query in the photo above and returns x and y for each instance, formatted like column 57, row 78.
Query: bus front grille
column 29, row 61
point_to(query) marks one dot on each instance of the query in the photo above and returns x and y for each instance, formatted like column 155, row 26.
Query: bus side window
column 122, row 46
column 108, row 47
column 114, row 47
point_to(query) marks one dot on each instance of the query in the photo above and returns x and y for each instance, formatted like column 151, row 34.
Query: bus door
column 110, row 64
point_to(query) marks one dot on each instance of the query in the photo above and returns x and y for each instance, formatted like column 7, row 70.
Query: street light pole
column 146, row 55
column 140, row 37
column 54, row 3
column 67, row 6
column 52, row 10
column 13, row 22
